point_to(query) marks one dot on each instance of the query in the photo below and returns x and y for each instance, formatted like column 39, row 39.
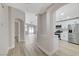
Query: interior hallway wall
column 4, row 30
column 22, row 30
column 46, row 39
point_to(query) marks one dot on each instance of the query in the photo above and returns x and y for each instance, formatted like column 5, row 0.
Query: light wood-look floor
column 67, row 49
column 17, row 51
column 29, row 49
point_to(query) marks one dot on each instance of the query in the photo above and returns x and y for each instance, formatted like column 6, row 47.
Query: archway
column 67, row 17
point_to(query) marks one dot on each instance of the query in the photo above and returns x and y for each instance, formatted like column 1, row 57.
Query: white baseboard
column 11, row 47
column 4, row 52
column 45, row 51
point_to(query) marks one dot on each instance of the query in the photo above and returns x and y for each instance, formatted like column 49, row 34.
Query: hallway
column 26, row 48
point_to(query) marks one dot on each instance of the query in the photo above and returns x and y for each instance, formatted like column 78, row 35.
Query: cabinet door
column 76, row 28
column 64, row 35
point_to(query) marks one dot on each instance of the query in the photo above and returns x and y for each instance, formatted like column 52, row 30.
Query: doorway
column 17, row 32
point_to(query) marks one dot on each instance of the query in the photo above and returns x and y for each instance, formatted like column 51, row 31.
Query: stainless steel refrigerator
column 73, row 33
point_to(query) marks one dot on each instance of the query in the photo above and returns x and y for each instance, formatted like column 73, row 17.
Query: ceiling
column 31, row 7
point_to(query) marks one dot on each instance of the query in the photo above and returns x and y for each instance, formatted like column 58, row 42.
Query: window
column 31, row 30
column 25, row 27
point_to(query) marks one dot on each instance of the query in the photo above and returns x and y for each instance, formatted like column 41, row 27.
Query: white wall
column 22, row 28
column 46, row 40
column 42, row 24
column 4, row 30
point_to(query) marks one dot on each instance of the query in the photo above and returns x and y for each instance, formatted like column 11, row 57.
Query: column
column 46, row 40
